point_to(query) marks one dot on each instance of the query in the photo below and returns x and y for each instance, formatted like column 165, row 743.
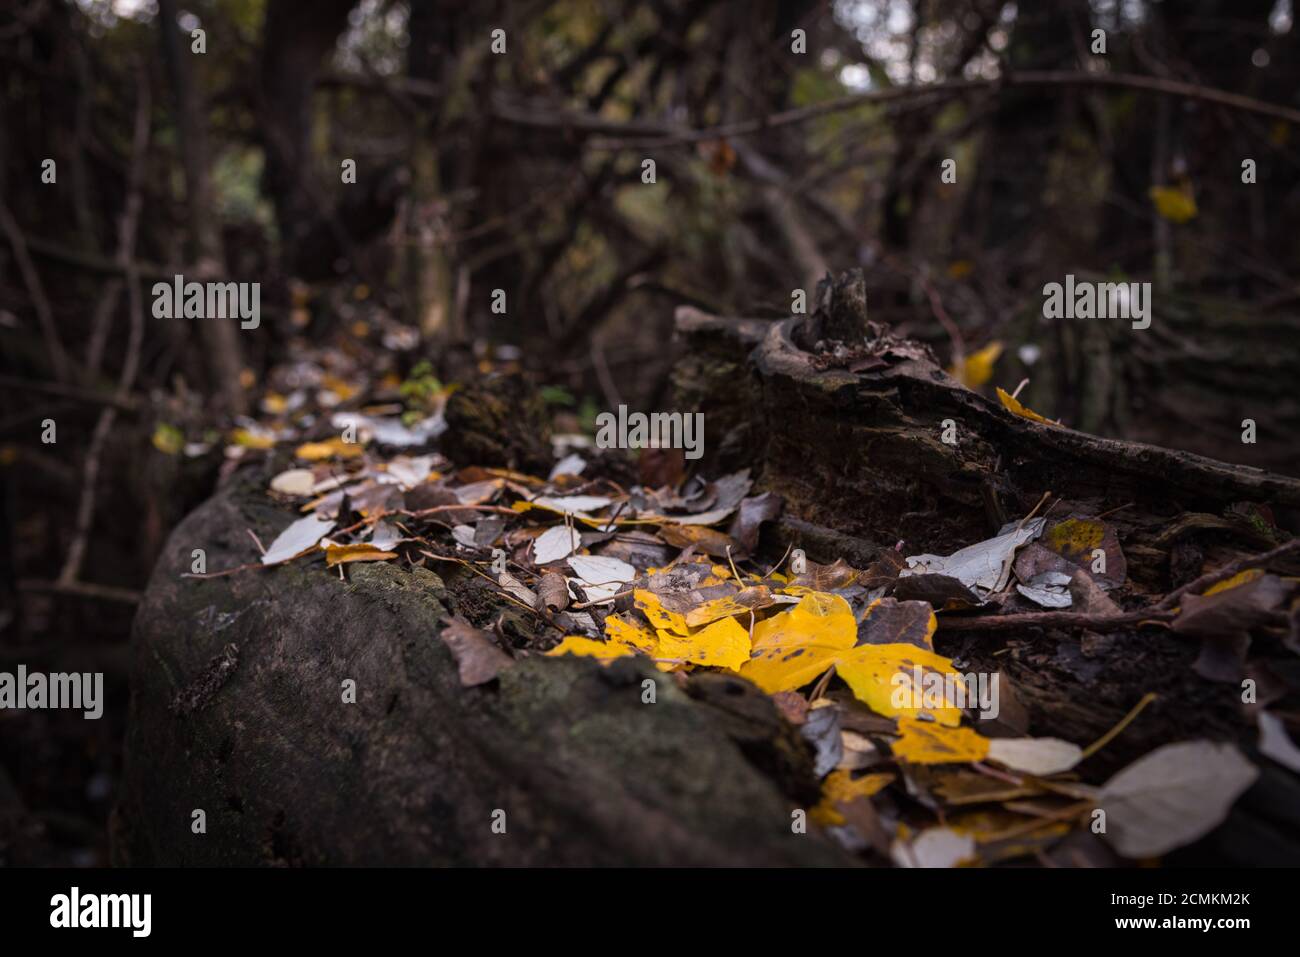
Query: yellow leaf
column 960, row 269
column 841, row 788
column 1241, row 578
column 1013, row 405
column 168, row 439
column 359, row 552
column 605, row 651
column 796, row 646
column 1075, row 538
column 251, row 440
column 723, row 644
column 747, row 600
column 317, row 451
column 1173, row 203
column 924, row 742
column 902, row 680
column 631, row 634
column 977, row 368
column 660, row 617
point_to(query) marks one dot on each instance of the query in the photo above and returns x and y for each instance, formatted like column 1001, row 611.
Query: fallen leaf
column 1237, row 609
column 796, row 646
column 329, row 449
column 723, row 644
column 976, row 369
column 1275, row 743
column 1173, row 796
column 553, row 592
column 902, row 680
column 889, row 622
column 478, row 658
column 985, row 566
column 925, row 742
column 358, row 552
column 1016, row 408
column 299, row 537
column 578, row 646
column 600, row 577
column 749, row 599
column 754, row 511
column 934, row 847
column 294, row 482
column 554, row 544
column 1037, row 756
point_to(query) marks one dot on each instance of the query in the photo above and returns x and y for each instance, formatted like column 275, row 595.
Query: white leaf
column 1275, row 743
column 573, row 504
column 934, row 847
column 985, row 565
column 297, row 538
column 385, row 535
column 572, row 464
column 554, row 544
column 1035, row 755
column 294, row 482
column 600, row 577
column 464, row 535
column 1173, row 796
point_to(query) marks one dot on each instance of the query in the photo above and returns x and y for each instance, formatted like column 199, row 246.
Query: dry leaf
column 478, row 658
column 359, row 552
column 902, row 681
column 1173, row 796
column 299, row 537
column 924, row 742
column 1016, row 408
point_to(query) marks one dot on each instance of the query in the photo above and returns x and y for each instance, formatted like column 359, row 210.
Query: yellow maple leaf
column 1174, row 203
column 924, row 742
column 902, row 680
column 1013, row 405
column 796, row 646
column 977, row 368
column 723, row 644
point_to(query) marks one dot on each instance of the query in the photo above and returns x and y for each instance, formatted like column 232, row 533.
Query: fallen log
column 238, row 710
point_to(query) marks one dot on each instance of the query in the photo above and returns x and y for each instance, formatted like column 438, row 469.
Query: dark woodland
column 320, row 327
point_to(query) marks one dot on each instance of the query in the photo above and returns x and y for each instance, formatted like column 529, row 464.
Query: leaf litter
column 671, row 575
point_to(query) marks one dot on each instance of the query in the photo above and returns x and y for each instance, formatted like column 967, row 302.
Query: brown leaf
column 661, row 467
column 943, row 592
column 478, row 658
column 888, row 622
column 840, row 574
column 1233, row 610
column 553, row 592
column 754, row 511
column 705, row 539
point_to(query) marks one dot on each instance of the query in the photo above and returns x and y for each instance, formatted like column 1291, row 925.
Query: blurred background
column 788, row 137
